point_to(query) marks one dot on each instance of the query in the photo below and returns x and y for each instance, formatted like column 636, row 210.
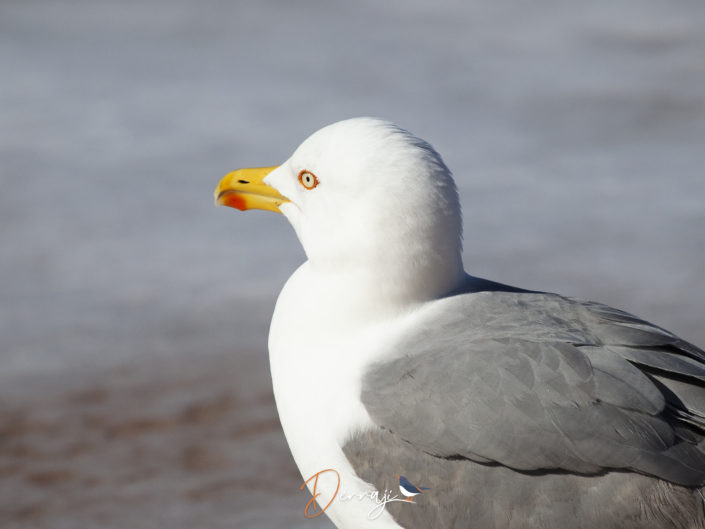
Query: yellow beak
column 243, row 189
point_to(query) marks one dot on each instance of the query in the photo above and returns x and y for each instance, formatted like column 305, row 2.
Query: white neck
column 390, row 283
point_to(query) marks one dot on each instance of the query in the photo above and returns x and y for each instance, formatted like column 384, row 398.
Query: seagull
column 521, row 409
column 408, row 489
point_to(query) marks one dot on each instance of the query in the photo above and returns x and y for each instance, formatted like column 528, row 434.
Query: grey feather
column 663, row 360
column 464, row 494
column 536, row 382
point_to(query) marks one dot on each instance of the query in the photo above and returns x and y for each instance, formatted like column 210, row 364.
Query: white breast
column 318, row 352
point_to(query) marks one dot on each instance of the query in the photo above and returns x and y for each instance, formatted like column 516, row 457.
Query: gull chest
column 317, row 364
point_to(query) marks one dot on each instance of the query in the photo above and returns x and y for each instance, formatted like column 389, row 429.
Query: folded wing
column 536, row 381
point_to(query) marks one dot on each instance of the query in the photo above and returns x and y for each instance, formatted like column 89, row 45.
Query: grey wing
column 537, row 381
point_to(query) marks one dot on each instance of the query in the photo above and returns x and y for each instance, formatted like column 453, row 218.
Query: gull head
column 366, row 198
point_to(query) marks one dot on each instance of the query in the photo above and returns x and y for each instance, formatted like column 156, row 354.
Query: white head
column 370, row 200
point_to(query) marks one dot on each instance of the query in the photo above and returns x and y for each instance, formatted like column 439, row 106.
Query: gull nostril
column 243, row 182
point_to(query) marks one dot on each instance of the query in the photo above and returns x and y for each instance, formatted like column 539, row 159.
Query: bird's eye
column 308, row 179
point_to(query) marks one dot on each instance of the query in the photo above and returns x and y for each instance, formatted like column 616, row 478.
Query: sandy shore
column 179, row 443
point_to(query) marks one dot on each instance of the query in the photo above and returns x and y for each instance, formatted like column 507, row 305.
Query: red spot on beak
column 234, row 200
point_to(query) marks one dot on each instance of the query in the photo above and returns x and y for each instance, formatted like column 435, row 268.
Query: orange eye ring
column 308, row 179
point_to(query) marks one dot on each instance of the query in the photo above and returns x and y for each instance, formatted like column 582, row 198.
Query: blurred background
column 134, row 383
